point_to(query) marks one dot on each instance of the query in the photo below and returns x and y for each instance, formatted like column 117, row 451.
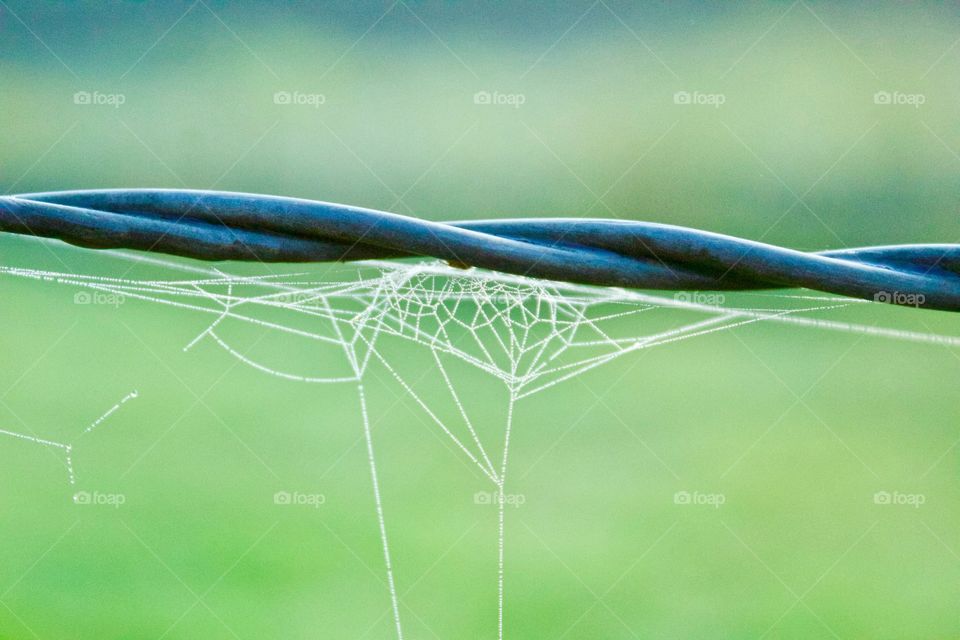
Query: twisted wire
column 211, row 225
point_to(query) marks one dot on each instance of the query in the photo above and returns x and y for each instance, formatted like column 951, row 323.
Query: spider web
column 524, row 334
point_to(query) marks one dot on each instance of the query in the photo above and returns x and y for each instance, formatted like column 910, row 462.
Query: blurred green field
column 796, row 428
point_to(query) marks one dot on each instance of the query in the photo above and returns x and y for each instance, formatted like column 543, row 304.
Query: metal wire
column 211, row 225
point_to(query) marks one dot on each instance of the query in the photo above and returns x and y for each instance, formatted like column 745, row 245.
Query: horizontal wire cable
column 212, row 225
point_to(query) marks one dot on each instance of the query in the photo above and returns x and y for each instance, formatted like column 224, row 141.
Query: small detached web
column 523, row 334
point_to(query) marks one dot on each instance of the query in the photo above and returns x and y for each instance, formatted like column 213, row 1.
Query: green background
column 796, row 428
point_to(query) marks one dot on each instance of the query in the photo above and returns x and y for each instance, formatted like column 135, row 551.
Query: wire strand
column 213, row 225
